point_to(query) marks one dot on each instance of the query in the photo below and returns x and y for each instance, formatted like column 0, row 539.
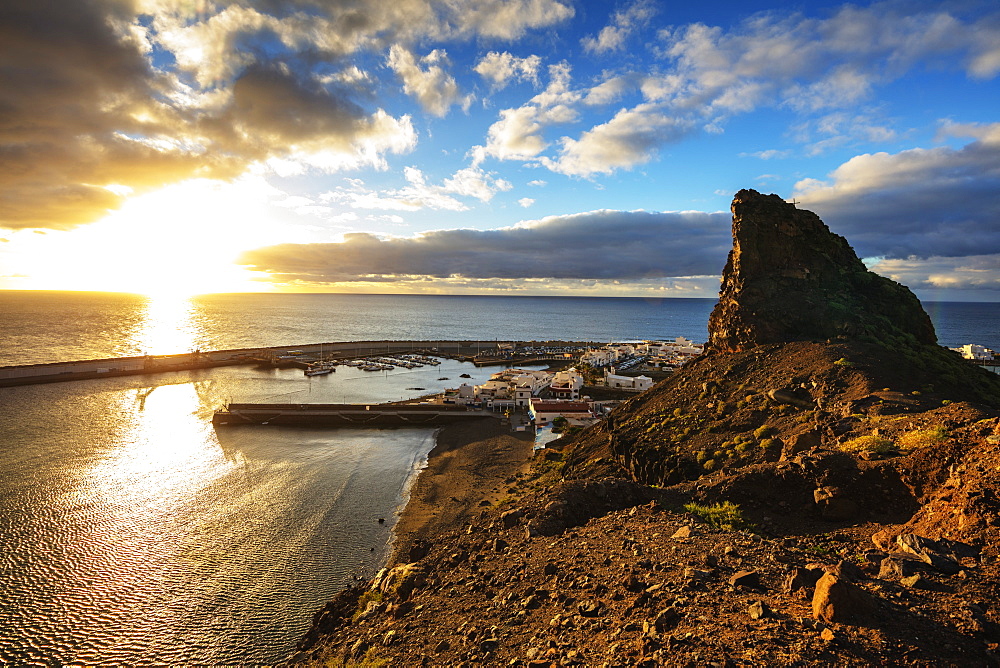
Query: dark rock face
column 789, row 278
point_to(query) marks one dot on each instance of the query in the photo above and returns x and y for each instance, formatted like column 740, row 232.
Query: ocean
column 135, row 532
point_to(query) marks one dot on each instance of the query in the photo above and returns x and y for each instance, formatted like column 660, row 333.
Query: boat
column 320, row 369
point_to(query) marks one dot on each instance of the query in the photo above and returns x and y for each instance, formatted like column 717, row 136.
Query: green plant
column 870, row 443
column 708, row 465
column 762, row 432
column 371, row 659
column 945, row 402
column 843, row 361
column 369, row 596
column 922, row 438
column 725, row 515
column 767, row 444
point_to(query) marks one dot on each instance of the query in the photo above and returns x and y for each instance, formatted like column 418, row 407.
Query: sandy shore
column 466, row 471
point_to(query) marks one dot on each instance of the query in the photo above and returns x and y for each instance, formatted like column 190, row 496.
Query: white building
column 636, row 384
column 514, row 385
column 971, row 351
column 566, row 384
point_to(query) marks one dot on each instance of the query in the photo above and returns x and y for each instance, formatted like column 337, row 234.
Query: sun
column 179, row 241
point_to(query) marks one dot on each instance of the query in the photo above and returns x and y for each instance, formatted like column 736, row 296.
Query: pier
column 347, row 415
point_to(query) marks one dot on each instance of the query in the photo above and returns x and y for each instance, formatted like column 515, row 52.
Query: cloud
column 973, row 272
column 611, row 90
column 525, row 202
column 811, row 65
column 769, row 154
column 824, row 70
column 436, row 90
column 518, row 133
column 502, row 68
column 628, row 139
column 917, row 203
column 418, row 194
column 623, row 23
column 646, row 246
column 104, row 95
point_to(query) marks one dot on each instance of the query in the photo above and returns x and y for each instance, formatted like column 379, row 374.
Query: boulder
column 803, row 579
column 399, row 581
column 840, row 601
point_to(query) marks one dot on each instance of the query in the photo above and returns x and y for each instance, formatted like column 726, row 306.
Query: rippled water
column 133, row 531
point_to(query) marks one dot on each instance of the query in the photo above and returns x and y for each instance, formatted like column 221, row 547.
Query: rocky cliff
column 789, row 278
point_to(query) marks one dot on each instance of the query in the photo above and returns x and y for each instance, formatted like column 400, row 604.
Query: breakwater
column 347, row 415
column 482, row 351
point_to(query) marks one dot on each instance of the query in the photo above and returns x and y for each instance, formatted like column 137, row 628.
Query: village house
column 628, row 383
column 513, row 386
column 566, row 384
column 544, row 411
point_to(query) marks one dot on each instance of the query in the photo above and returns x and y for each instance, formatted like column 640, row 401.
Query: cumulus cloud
column 435, row 89
column 916, row 203
column 419, row 194
column 817, row 68
column 518, row 133
column 104, row 96
column 525, row 202
column 646, row 246
column 819, row 63
column 628, row 139
column 502, row 68
column 623, row 23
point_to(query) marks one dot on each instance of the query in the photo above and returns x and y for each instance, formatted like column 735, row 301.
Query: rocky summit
column 818, row 488
column 789, row 278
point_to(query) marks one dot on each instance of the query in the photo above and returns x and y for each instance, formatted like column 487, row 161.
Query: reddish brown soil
column 564, row 566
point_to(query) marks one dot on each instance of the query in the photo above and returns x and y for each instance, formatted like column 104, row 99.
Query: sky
column 560, row 147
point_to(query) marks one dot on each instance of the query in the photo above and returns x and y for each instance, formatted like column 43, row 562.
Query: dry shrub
column 922, row 438
column 870, row 443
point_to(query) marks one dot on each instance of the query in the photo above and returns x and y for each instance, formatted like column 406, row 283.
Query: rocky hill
column 819, row 487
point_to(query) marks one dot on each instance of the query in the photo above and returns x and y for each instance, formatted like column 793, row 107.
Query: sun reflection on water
column 168, row 326
column 167, row 452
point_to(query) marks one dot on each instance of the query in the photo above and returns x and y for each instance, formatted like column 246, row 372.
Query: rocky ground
column 613, row 573
column 819, row 487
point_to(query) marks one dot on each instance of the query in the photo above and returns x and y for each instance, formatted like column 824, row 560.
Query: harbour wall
column 347, row 415
column 56, row 372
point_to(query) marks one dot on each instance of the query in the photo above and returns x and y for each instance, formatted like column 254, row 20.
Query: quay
column 347, row 415
column 482, row 353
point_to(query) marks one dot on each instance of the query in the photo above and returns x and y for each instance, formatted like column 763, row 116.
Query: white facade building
column 637, row 384
column 566, row 384
column 972, row 351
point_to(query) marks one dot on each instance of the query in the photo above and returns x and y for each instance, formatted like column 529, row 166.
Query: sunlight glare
column 181, row 240
column 167, row 326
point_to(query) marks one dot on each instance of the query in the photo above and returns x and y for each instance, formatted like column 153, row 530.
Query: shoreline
column 469, row 469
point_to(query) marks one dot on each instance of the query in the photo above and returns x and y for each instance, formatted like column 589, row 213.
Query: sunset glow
column 507, row 147
column 178, row 241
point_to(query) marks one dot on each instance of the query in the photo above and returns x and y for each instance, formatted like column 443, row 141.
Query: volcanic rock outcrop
column 789, row 278
column 807, row 349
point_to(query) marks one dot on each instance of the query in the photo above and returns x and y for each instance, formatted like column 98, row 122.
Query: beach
column 470, row 468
